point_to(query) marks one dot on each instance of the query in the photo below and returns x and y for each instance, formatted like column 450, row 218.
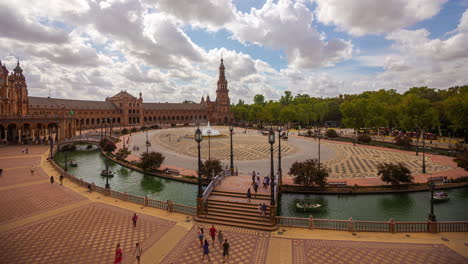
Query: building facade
column 26, row 118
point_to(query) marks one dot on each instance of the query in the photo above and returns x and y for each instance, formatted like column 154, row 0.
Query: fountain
column 212, row 132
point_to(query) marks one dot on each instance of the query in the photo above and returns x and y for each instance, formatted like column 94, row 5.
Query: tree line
column 419, row 108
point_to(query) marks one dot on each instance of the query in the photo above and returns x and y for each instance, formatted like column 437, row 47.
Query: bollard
column 351, row 225
column 392, row 225
column 311, row 222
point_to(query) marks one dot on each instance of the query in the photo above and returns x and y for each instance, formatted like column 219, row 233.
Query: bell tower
column 222, row 92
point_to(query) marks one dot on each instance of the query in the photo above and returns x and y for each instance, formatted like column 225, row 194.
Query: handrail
column 216, row 180
column 373, row 226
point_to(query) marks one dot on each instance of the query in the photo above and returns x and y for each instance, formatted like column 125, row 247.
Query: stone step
column 238, row 217
column 245, row 206
column 238, row 194
column 220, row 208
column 236, row 220
column 240, row 199
column 236, row 224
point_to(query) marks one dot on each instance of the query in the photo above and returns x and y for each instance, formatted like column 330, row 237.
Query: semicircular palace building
column 26, row 118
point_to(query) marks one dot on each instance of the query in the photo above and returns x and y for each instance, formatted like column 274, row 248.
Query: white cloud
column 361, row 17
column 210, row 14
column 287, row 26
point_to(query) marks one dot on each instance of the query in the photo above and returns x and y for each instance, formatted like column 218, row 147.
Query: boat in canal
column 73, row 163
column 107, row 173
column 305, row 206
column 441, row 197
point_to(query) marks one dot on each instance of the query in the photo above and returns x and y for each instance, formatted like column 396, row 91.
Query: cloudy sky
column 170, row 49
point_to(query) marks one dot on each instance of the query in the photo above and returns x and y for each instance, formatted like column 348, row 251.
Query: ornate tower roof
column 18, row 68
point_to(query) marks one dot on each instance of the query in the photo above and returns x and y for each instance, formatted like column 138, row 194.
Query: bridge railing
column 214, row 182
column 373, row 226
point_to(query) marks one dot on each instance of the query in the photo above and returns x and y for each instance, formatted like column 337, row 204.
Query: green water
column 91, row 162
column 373, row 207
column 380, row 207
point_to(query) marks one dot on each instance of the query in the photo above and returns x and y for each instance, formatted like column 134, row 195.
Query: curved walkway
column 49, row 223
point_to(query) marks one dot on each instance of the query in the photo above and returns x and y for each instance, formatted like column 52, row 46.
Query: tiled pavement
column 30, row 200
column 21, row 174
column 87, row 234
column 246, row 246
column 333, row 251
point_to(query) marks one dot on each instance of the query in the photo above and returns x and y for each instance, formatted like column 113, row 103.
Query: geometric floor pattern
column 334, row 251
column 87, row 234
column 245, row 246
column 26, row 201
column 361, row 162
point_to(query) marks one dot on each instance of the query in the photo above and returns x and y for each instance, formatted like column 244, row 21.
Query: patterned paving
column 21, row 174
column 333, row 251
column 249, row 146
column 246, row 246
column 30, row 200
column 361, row 162
column 87, row 234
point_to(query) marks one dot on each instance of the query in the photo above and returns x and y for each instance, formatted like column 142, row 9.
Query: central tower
column 222, row 92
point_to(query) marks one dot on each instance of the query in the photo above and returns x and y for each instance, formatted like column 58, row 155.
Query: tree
column 403, row 141
column 259, row 99
column 308, row 172
column 124, row 131
column 287, row 98
column 211, row 167
column 122, row 153
column 151, row 160
column 107, row 145
column 394, row 173
column 364, row 138
column 456, row 107
column 321, row 109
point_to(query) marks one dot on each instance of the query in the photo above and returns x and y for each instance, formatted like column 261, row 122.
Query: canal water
column 373, row 207
column 92, row 162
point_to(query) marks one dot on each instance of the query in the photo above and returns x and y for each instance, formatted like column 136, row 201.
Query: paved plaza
column 48, row 223
column 252, row 152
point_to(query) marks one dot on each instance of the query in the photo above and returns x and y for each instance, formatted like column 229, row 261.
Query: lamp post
column 319, row 136
column 51, row 146
column 66, row 167
column 107, row 178
column 424, row 155
column 280, row 172
column 198, row 139
column 209, row 144
column 231, row 130
column 147, row 142
column 271, row 140
column 432, row 216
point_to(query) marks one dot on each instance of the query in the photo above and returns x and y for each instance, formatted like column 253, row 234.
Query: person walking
column 52, row 179
column 260, row 209
column 61, row 179
column 118, row 255
column 268, row 181
column 255, row 187
column 249, row 195
column 225, row 250
column 264, row 183
column 264, row 209
column 206, row 250
column 137, row 252
column 220, row 238
column 200, row 236
column 253, row 177
column 213, row 233
column 32, row 170
column 27, row 150
column 134, row 219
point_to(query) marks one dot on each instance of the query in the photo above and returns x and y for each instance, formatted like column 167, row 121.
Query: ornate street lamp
column 107, row 178
column 319, row 136
column 424, row 155
column 231, row 130
column 271, row 140
column 198, row 139
column 209, row 144
column 65, row 153
column 280, row 172
column 431, row 215
column 147, row 142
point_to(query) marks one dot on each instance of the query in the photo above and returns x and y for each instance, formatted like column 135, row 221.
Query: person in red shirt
column 213, row 233
column 118, row 255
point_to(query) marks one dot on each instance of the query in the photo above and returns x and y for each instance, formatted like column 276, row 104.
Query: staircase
column 233, row 209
